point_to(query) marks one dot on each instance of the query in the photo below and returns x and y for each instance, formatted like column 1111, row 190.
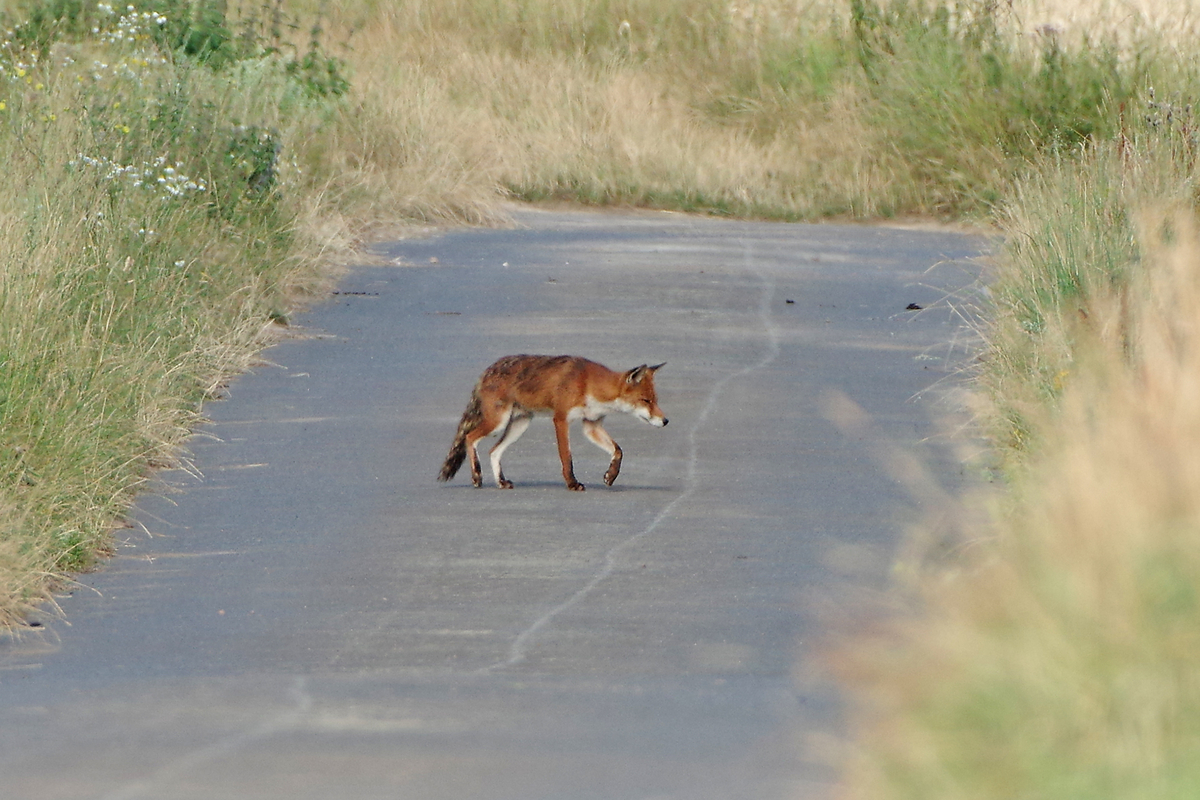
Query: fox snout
column 647, row 416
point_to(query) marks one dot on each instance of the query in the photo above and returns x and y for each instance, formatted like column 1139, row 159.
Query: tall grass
column 862, row 108
column 150, row 245
column 1055, row 655
column 1059, row 658
column 1074, row 245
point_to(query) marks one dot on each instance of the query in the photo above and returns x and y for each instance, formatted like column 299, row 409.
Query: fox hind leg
column 594, row 431
column 492, row 418
column 473, row 451
column 518, row 421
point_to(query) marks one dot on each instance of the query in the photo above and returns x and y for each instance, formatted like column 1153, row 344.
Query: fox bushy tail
column 458, row 451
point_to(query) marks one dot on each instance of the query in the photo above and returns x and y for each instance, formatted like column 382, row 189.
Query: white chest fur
column 593, row 409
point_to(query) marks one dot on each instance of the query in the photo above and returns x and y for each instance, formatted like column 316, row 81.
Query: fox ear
column 655, row 368
column 636, row 374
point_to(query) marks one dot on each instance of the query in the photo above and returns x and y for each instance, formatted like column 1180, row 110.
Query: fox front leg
column 594, row 431
column 564, row 454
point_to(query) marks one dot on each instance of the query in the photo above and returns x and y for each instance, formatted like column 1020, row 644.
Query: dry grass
column 1058, row 659
column 469, row 124
column 466, row 108
column 609, row 135
column 1177, row 20
column 751, row 109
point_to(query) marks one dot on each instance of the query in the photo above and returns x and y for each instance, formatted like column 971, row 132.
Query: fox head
column 638, row 392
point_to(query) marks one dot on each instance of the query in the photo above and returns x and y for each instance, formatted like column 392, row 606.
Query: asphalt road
column 317, row 617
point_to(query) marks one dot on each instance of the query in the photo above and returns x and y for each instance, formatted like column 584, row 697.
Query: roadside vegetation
column 183, row 176
column 778, row 109
column 150, row 244
column 1050, row 647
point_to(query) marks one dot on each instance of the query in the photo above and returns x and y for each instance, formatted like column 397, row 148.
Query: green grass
column 1055, row 654
column 1075, row 247
column 149, row 244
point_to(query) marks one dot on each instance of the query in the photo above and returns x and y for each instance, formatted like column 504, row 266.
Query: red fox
column 515, row 388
